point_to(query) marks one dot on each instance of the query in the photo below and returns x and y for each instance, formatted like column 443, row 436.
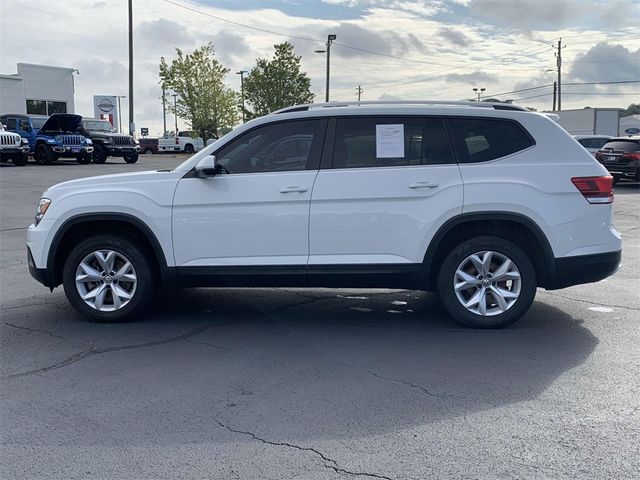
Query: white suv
column 480, row 202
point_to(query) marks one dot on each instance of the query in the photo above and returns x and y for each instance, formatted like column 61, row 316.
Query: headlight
column 88, row 140
column 108, row 140
column 43, row 206
column 58, row 138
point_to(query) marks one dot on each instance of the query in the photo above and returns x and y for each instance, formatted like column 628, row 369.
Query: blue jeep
column 51, row 138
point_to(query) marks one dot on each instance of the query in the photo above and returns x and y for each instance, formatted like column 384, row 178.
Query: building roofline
column 52, row 67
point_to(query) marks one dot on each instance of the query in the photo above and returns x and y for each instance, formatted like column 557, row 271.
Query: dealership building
column 37, row 89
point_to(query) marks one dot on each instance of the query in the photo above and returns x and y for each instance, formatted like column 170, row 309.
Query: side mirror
column 206, row 167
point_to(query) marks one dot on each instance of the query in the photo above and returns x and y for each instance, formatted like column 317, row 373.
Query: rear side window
column 483, row 139
column 625, row 146
column 390, row 142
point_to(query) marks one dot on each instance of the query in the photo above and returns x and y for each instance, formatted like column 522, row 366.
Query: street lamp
column 175, row 109
column 120, row 113
column 330, row 39
column 241, row 73
column 479, row 92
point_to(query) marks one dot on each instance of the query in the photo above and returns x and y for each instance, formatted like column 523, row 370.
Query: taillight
column 177, row 141
column 598, row 155
column 632, row 156
column 595, row 189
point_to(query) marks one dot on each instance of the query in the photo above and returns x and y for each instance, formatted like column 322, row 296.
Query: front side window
column 362, row 142
column 278, row 147
column 485, row 139
column 11, row 124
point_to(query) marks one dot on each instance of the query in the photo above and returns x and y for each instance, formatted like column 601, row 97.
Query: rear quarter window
column 485, row 139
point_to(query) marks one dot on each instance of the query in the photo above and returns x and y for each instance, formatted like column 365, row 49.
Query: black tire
column 20, row 160
column 148, row 151
column 84, row 159
column 132, row 158
column 447, row 278
column 44, row 155
column 100, row 154
column 143, row 266
column 188, row 148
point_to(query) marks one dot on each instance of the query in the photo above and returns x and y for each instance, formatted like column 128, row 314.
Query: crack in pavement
column 34, row 330
column 328, row 462
column 413, row 385
column 590, row 302
column 93, row 350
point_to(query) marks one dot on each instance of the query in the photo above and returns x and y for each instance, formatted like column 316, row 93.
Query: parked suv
column 108, row 143
column 13, row 148
column 27, row 126
column 479, row 202
column 621, row 156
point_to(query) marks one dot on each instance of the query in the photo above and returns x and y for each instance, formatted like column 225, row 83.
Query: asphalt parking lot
column 313, row 383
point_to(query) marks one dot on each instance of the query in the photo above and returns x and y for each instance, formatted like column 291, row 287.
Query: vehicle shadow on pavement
column 283, row 364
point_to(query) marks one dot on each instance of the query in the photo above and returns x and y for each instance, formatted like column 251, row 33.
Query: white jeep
column 480, row 202
column 13, row 148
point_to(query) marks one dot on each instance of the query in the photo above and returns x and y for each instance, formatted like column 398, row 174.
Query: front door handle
column 293, row 189
column 424, row 185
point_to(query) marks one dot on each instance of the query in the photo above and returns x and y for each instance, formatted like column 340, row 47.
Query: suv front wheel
column 108, row 278
column 487, row 282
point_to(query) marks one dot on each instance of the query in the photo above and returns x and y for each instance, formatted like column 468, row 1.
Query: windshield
column 101, row 125
column 38, row 122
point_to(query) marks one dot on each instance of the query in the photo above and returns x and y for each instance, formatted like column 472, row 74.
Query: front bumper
column 74, row 151
column 122, row 150
column 40, row 274
column 584, row 269
column 14, row 150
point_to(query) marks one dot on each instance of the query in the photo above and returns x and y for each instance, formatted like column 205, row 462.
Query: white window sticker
column 390, row 141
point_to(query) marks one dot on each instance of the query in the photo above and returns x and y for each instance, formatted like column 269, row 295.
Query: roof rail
column 355, row 103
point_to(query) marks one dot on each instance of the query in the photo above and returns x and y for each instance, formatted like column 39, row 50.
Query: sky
column 394, row 49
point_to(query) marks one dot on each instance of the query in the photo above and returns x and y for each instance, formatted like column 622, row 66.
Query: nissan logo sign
column 106, row 105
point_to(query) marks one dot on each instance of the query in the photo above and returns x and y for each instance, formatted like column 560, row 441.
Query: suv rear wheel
column 107, row 278
column 487, row 282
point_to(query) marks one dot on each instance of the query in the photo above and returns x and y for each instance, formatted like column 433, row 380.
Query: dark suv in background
column 621, row 156
column 108, row 143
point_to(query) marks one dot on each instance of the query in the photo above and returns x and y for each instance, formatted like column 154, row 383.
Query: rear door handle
column 424, row 185
column 293, row 189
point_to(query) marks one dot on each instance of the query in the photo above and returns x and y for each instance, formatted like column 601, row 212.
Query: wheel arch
column 84, row 225
column 514, row 227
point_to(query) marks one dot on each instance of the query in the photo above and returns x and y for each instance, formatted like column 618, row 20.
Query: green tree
column 277, row 83
column 204, row 100
column 632, row 109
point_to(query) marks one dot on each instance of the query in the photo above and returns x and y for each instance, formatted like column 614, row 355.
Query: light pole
column 330, row 39
column 175, row 109
column 164, row 111
column 132, row 125
column 241, row 73
column 479, row 92
column 120, row 113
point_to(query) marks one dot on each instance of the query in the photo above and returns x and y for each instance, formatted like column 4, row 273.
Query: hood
column 116, row 180
column 62, row 122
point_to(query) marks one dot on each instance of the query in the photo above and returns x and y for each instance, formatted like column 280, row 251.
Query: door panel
column 362, row 214
column 242, row 219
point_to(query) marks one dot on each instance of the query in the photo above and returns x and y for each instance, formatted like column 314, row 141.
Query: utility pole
column 132, row 126
column 555, row 93
column 559, row 64
column 175, row 110
column 164, row 111
column 241, row 73
column 330, row 39
column 360, row 91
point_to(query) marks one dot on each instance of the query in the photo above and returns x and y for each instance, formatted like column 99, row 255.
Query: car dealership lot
column 313, row 383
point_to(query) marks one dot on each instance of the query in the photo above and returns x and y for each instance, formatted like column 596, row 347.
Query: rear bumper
column 629, row 170
column 584, row 269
